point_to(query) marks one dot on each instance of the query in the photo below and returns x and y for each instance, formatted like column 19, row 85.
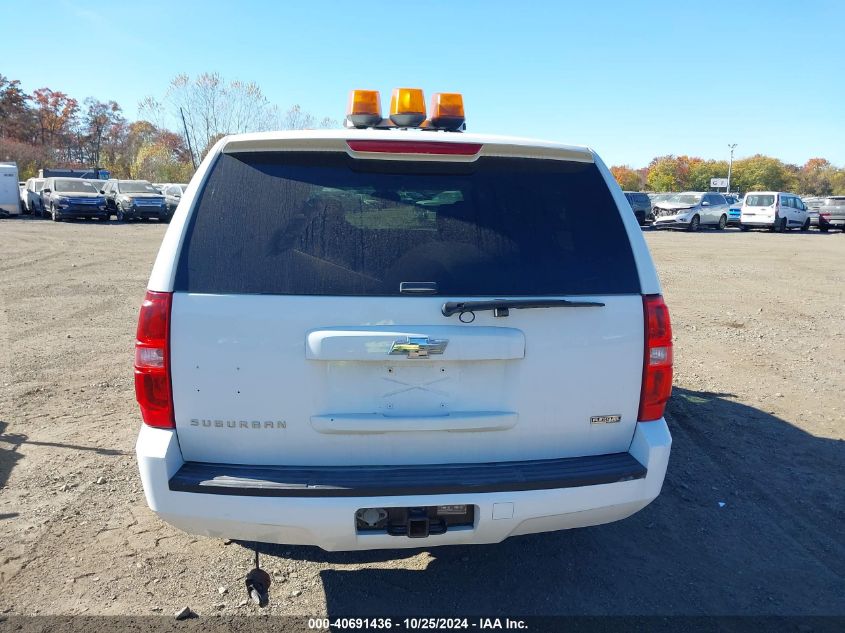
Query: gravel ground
column 750, row 520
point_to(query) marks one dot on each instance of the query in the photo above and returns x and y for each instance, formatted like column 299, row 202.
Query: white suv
column 381, row 338
column 691, row 210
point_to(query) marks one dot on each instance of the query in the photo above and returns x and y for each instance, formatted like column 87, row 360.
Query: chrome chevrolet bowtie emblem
column 418, row 346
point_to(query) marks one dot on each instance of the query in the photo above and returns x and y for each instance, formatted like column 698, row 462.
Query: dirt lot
column 758, row 418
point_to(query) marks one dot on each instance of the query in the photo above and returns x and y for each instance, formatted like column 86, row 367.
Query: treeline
column 817, row 177
column 50, row 128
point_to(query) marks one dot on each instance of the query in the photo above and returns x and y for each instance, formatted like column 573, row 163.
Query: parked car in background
column 10, row 195
column 32, row 196
column 172, row 196
column 134, row 200
column 812, row 203
column 65, row 198
column 832, row 213
column 730, row 198
column 776, row 210
column 734, row 211
column 641, row 204
column 691, row 210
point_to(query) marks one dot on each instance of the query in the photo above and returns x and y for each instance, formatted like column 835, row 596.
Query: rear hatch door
column 308, row 324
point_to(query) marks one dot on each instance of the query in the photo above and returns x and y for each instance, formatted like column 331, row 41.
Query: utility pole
column 730, row 166
column 194, row 162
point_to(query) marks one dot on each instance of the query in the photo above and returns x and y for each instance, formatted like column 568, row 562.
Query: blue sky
column 631, row 79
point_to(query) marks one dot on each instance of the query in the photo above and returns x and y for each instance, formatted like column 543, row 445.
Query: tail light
column 415, row 147
column 152, row 360
column 657, row 364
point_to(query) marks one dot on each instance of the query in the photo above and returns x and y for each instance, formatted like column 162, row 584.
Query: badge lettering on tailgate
column 605, row 419
column 239, row 424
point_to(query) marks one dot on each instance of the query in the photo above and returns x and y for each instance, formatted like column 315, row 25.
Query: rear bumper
column 327, row 520
column 757, row 222
column 831, row 223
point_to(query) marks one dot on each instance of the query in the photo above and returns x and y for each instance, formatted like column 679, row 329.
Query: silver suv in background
column 691, row 210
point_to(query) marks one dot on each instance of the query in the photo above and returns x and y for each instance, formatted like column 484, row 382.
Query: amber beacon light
column 447, row 111
column 407, row 107
column 364, row 108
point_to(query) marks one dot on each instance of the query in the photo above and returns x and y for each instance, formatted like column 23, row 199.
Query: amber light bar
column 407, row 110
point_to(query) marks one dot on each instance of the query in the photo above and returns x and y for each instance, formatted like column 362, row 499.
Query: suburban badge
column 605, row 419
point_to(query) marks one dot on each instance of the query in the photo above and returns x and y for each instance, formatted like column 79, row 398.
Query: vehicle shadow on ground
column 11, row 442
column 9, row 455
column 749, row 522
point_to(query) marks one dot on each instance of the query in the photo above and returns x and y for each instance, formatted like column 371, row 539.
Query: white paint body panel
column 327, row 522
column 264, row 358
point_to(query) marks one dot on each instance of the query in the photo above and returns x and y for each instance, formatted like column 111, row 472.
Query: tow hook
column 258, row 584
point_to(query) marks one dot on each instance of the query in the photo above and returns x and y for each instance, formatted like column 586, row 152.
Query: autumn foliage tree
column 56, row 113
column 668, row 173
column 628, row 179
column 17, row 122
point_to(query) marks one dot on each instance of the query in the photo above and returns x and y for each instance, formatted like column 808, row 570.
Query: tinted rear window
column 759, row 200
column 328, row 224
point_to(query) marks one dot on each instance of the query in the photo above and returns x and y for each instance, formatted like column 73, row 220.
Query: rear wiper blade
column 501, row 306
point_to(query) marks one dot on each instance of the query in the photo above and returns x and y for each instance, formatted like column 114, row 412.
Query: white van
column 395, row 337
column 10, row 195
column 774, row 210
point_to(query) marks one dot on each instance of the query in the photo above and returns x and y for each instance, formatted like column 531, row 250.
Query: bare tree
column 296, row 119
column 213, row 107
